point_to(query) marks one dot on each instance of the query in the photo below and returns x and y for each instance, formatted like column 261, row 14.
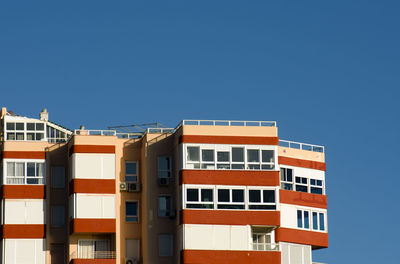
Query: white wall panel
column 95, row 206
column 289, row 215
column 93, row 166
column 305, row 172
column 24, row 211
column 216, row 237
column 25, row 251
column 295, row 253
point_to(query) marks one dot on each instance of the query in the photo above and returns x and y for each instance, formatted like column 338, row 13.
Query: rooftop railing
column 302, row 146
column 91, row 132
column 265, row 246
column 228, row 123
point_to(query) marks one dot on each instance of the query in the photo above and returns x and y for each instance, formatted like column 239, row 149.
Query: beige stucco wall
column 248, row 131
column 301, row 154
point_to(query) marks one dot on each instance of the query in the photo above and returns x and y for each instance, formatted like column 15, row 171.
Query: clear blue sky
column 326, row 71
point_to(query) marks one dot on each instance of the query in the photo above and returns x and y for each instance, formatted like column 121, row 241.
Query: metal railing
column 160, row 130
column 228, row 123
column 94, row 255
column 265, row 246
column 302, row 146
column 95, row 132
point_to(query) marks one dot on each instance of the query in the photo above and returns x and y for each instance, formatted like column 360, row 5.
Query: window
column 15, row 130
column 164, row 167
column 57, row 177
column 303, row 220
column 131, row 211
column 286, row 179
column 301, row 184
column 230, row 199
column 200, row 198
column 94, row 249
column 262, row 239
column 131, row 171
column 226, row 157
column 132, row 248
column 262, row 199
column 25, row 172
column 164, row 206
column 57, row 215
column 318, row 221
column 165, row 245
column 316, row 186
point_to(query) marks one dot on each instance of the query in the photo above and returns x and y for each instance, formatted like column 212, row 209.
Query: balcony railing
column 265, row 246
column 303, row 146
column 228, row 123
column 94, row 255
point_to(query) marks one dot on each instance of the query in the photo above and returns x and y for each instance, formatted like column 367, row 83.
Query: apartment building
column 203, row 192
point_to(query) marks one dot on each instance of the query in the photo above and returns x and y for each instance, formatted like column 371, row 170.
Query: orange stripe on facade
column 23, row 192
column 303, row 199
column 24, row 155
column 302, row 163
column 101, row 149
column 93, row 261
column 230, row 257
column 315, row 239
column 227, row 217
column 92, row 226
column 24, row 231
column 229, row 140
column 224, row 177
column 92, row 186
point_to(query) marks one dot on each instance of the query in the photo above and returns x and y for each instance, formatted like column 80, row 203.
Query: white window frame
column 318, row 226
column 283, row 178
column 24, row 177
column 303, row 219
column 257, row 246
column 316, row 186
column 230, row 203
column 93, row 254
column 301, row 183
column 262, row 203
column 199, row 202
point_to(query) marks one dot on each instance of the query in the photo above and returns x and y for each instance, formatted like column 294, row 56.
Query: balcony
column 265, row 246
column 301, row 146
column 227, row 123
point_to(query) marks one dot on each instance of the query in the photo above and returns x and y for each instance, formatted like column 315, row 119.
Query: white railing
column 303, row 146
column 265, row 246
column 95, row 132
column 94, row 255
column 228, row 123
column 160, row 130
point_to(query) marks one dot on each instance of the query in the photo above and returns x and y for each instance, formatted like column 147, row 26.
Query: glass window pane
column 315, row 220
column 255, row 196
column 299, row 219
column 283, row 175
column 312, row 181
column 193, row 153
column 10, row 126
column 237, row 155
column 164, row 163
column 238, row 166
column 30, row 169
column 238, row 196
column 130, row 168
column 304, row 180
column 301, row 188
column 319, row 182
column 289, row 174
column 207, row 155
column 20, row 136
column 10, row 169
column 19, row 169
column 30, row 136
column 30, row 126
column 253, row 155
column 267, row 156
column 316, row 190
column 321, row 222
column 39, row 126
column 40, row 169
column 269, row 196
column 223, row 195
column 298, row 179
column 19, row 126
column 306, row 220
column 206, row 195
column 10, row 136
column 223, row 156
column 39, row 136
column 192, row 195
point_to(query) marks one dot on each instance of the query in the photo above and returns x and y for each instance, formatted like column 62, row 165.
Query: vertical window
column 262, row 199
column 267, row 162
column 193, row 157
column 164, row 167
column 164, row 206
column 131, row 171
column 286, row 179
column 306, row 220
column 262, row 238
column 207, row 158
column 57, row 215
column 223, row 160
column 318, row 221
column 57, row 177
column 303, row 219
column 315, row 220
column 238, row 158
column 132, row 248
column 321, row 222
column 165, row 245
column 131, row 211
column 253, row 159
column 299, row 218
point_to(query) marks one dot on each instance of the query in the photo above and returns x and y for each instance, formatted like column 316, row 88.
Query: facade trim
column 24, row 155
column 315, row 239
column 24, row 231
column 23, row 191
column 303, row 199
column 103, row 186
column 99, row 149
column 79, row 225
column 230, row 256
column 302, row 163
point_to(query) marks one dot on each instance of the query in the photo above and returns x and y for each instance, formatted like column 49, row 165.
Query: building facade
column 203, row 192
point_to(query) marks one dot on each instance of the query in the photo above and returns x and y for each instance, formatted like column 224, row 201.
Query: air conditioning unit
column 163, row 181
column 134, row 187
column 131, row 261
column 123, row 186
